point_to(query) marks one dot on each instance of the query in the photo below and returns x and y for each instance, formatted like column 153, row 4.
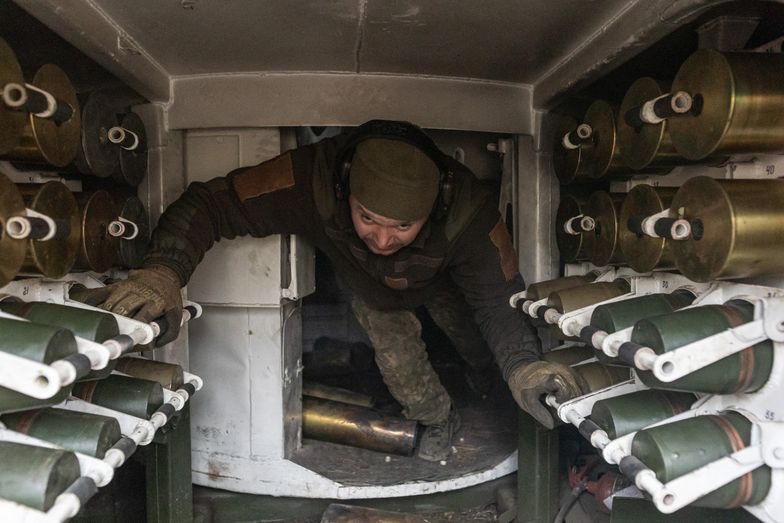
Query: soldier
column 404, row 225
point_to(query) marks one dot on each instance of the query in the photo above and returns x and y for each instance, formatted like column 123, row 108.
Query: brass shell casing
column 645, row 253
column 53, row 258
column 356, row 426
column 97, row 156
column 737, row 228
column 542, row 289
column 133, row 163
column 12, row 251
column 570, row 165
column 98, row 250
column 325, row 392
column 604, row 159
column 574, row 298
column 132, row 251
column 169, row 375
column 571, row 246
column 12, row 123
column 43, row 140
column 601, row 244
column 738, row 104
column 650, row 145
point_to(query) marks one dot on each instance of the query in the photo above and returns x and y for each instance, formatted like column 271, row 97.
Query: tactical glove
column 529, row 382
column 147, row 294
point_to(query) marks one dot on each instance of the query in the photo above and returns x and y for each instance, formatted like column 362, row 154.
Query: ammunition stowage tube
column 737, row 228
column 744, row 371
column 53, row 140
column 169, row 375
column 93, row 325
column 680, row 447
column 601, row 244
column 356, row 426
column 36, row 342
column 12, row 250
column 570, row 163
column 645, row 253
column 738, row 104
column 574, row 298
column 133, row 396
column 12, row 92
column 35, row 476
column 629, row 413
column 53, row 258
column 570, row 243
column 99, row 251
column 646, row 145
column 88, row 434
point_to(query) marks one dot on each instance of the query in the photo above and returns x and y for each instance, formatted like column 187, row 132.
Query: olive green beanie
column 393, row 179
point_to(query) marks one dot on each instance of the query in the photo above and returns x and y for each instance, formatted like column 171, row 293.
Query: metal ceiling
column 379, row 52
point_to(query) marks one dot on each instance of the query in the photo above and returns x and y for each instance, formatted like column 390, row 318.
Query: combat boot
column 436, row 441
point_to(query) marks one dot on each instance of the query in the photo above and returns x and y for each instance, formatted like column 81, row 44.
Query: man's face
column 382, row 235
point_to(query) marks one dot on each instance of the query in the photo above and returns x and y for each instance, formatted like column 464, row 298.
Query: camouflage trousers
column 400, row 353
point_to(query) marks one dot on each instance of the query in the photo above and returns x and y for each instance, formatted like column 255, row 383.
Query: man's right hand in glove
column 530, row 382
column 147, row 294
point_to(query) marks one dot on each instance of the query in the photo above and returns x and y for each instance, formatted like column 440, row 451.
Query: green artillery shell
column 168, row 375
column 132, row 396
column 625, row 414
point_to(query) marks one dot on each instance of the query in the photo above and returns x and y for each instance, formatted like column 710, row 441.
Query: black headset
column 405, row 132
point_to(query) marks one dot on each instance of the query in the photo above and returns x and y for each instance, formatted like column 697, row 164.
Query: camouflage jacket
column 294, row 193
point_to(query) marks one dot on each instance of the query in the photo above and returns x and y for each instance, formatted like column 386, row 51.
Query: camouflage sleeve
column 485, row 268
column 274, row 197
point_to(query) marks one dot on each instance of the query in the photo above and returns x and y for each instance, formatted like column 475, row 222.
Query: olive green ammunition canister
column 12, row 250
column 356, row 426
column 594, row 376
column 678, row 448
column 92, row 325
column 744, row 371
column 645, row 253
column 738, row 104
column 601, row 243
column 81, row 432
column 625, row 414
column 574, row 298
column 35, row 476
column 620, row 315
column 52, row 140
column 36, row 342
column 133, row 396
column 55, row 257
column 169, row 375
column 737, row 228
